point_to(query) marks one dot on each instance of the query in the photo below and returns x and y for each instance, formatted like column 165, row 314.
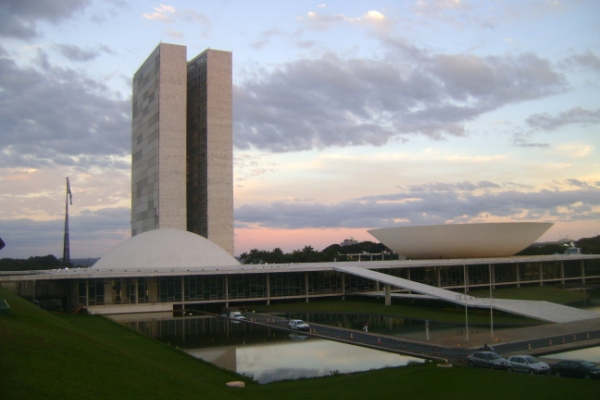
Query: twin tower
column 182, row 144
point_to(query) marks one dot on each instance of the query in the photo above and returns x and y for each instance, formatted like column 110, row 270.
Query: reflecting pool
column 298, row 358
column 262, row 353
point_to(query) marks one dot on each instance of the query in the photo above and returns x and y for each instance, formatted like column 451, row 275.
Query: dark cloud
column 331, row 101
column 58, row 116
column 587, row 60
column 574, row 116
column 76, row 53
column 18, row 18
column 435, row 203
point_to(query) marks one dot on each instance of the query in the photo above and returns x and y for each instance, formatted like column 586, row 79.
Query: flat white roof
column 122, row 272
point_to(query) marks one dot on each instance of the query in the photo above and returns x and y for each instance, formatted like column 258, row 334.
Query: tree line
column 332, row 253
column 308, row 254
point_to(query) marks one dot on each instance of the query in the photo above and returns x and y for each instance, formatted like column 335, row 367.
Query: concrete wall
column 220, row 149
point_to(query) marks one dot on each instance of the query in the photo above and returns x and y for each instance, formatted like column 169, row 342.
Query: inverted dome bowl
column 502, row 239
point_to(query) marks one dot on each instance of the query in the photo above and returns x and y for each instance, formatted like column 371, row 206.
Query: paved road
column 537, row 340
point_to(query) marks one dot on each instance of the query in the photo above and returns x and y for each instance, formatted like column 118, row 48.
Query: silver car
column 528, row 364
column 299, row 325
column 487, row 359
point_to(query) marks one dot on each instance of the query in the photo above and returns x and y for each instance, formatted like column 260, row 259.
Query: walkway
column 536, row 340
column 542, row 310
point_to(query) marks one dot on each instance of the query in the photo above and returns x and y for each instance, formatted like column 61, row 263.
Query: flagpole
column 66, row 247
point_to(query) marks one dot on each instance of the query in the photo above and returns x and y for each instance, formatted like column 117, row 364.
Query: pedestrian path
column 542, row 310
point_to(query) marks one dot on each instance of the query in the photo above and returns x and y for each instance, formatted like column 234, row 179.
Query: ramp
column 542, row 310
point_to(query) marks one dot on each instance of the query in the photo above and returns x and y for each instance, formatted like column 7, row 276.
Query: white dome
column 501, row 239
column 166, row 248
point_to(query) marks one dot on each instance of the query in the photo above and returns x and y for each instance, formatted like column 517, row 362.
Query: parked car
column 235, row 315
column 528, row 364
column 299, row 325
column 487, row 359
column 576, row 369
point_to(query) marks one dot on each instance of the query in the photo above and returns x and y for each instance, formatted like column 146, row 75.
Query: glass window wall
column 291, row 284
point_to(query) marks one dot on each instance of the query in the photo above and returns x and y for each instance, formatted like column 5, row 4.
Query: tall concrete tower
column 182, row 146
column 210, row 147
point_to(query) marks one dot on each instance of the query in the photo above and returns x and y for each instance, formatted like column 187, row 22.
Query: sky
column 348, row 116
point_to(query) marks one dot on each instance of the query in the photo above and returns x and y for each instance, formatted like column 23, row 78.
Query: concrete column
column 562, row 272
column 343, row 286
column 388, row 295
column 541, row 275
column 493, row 276
column 438, row 273
column 226, row 291
column 306, row 285
column 518, row 275
column 183, row 288
column 268, row 289
column 135, row 283
column 87, row 292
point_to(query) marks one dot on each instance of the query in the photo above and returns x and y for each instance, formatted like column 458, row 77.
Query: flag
column 69, row 192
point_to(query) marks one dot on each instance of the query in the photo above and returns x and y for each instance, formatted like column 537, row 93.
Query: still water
column 590, row 354
column 264, row 354
column 301, row 358
column 269, row 355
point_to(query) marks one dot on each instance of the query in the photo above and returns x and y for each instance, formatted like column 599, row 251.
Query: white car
column 527, row 364
column 299, row 325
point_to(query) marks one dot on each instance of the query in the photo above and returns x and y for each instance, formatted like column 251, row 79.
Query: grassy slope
column 48, row 356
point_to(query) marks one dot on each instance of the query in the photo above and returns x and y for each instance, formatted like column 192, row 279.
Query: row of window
column 248, row 286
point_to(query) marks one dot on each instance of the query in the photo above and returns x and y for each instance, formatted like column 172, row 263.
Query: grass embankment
column 52, row 356
column 434, row 310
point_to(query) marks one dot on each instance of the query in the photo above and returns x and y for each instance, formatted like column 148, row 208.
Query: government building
column 182, row 144
column 180, row 255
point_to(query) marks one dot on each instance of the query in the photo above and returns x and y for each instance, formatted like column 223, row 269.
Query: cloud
column 92, row 234
column 169, row 15
column 331, row 101
column 162, row 13
column 265, row 37
column 76, row 53
column 323, row 22
column 435, row 203
column 59, row 116
column 585, row 60
column 574, row 116
column 436, row 7
column 18, row 19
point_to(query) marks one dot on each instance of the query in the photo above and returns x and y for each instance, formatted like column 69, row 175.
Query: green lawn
column 60, row 356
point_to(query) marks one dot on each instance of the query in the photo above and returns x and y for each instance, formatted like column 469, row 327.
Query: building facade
column 128, row 290
column 209, row 148
column 158, row 141
column 182, row 146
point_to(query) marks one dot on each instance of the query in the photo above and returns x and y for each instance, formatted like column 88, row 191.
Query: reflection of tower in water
column 210, row 338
